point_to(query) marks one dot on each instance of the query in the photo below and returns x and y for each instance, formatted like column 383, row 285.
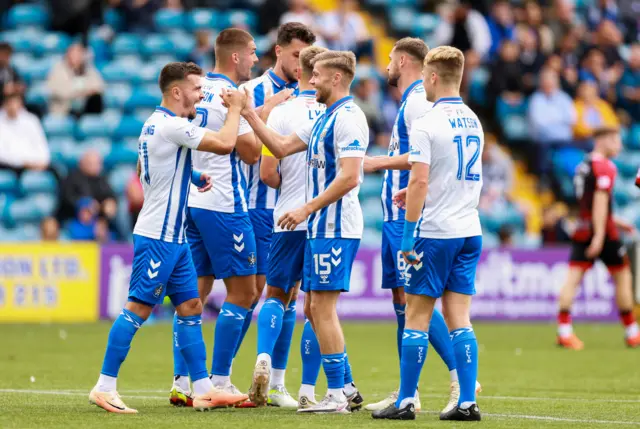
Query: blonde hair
column 447, row 62
column 412, row 46
column 344, row 61
column 307, row 55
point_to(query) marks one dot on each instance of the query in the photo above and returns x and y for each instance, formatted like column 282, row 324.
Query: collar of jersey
column 280, row 82
column 164, row 110
column 448, row 100
column 335, row 106
column 221, row 76
column 408, row 90
column 308, row 93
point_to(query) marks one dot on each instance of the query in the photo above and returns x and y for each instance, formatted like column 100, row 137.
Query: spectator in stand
column 552, row 117
column 594, row 68
column 49, row 229
column 75, row 84
column 364, row 94
column 344, row 30
column 556, row 227
column 75, row 17
column 87, row 225
column 23, row 145
column 592, row 112
column 601, row 10
column 506, row 76
column 202, row 54
column 138, row 14
column 87, row 180
column 629, row 85
column 531, row 60
column 501, row 25
column 569, row 51
column 135, row 198
column 534, row 22
column 563, row 19
column 299, row 11
column 10, row 81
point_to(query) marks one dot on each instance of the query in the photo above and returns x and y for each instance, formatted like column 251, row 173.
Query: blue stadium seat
column 150, row 73
column 120, row 176
column 121, row 154
column 402, row 18
column 503, row 108
column 158, row 44
column 53, row 43
column 627, row 163
column 8, row 182
column 477, row 89
column 515, row 127
column 38, row 94
column 58, row 125
column 38, row 69
column 32, row 208
column 114, row 19
column 116, row 95
column 202, row 19
column 123, row 70
column 129, row 126
column 90, row 126
column 100, row 144
column 126, row 44
column 61, row 149
column 33, row 182
column 235, row 18
column 565, row 161
column 633, row 138
column 183, row 44
column 27, row 15
column 19, row 40
column 169, row 19
column 424, row 23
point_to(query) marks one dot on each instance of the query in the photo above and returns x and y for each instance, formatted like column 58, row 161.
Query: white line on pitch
column 537, row 398
column 68, row 393
column 553, row 419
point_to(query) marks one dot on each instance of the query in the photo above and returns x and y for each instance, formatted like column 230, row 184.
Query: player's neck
column 303, row 88
column 336, row 96
column 447, row 93
column 173, row 107
column 599, row 152
column 277, row 69
column 407, row 79
column 231, row 74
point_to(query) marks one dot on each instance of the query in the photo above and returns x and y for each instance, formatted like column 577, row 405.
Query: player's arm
column 223, row 142
column 279, row 145
column 384, row 162
column 347, row 179
column 627, row 227
column 269, row 169
column 138, row 168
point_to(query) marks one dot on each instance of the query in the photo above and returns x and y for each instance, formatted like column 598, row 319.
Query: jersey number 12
column 468, row 175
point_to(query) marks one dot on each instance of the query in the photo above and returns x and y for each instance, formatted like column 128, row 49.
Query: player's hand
column 411, row 257
column 204, row 177
column 292, row 219
column 400, row 198
column 234, row 98
column 369, row 164
column 595, row 248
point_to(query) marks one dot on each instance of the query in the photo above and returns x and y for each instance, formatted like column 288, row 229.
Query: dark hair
column 4, row 46
column 604, row 132
column 290, row 31
column 231, row 40
column 176, row 71
column 414, row 47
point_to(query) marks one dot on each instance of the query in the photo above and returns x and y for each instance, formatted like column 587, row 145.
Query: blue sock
column 465, row 347
column 283, row 344
column 310, row 352
column 440, row 340
column 269, row 325
column 227, row 337
column 119, row 341
column 399, row 309
column 414, row 354
column 179, row 365
column 192, row 345
column 245, row 327
column 348, row 378
column 334, row 369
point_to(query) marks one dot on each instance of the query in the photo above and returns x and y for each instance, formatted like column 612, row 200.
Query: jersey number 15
column 468, row 175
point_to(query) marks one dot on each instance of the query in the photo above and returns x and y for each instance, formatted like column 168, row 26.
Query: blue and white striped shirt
column 414, row 104
column 164, row 152
column 259, row 195
column 340, row 132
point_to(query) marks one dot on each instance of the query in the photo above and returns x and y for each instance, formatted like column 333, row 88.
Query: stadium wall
column 81, row 282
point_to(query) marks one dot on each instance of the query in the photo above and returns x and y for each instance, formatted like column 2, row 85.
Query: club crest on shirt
column 191, row 133
column 322, row 135
column 251, row 259
column 158, row 291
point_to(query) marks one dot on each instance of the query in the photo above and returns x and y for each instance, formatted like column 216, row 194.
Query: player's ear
column 235, row 58
column 278, row 50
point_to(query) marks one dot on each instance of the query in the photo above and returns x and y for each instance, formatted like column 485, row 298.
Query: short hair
column 6, row 47
column 290, row 31
column 176, row 71
column 345, row 61
column 605, row 131
column 448, row 63
column 307, row 55
column 231, row 40
column 414, row 47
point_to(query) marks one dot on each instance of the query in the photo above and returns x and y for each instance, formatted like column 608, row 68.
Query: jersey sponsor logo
column 395, row 144
column 191, row 133
column 316, row 162
column 355, row 146
column 604, row 182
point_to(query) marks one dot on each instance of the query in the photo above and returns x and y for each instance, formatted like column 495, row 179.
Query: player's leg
column 615, row 258
column 262, row 223
column 182, row 288
column 311, row 356
column 456, row 302
column 350, row 390
column 578, row 265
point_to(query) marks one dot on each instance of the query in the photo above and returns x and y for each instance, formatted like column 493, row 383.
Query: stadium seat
column 150, row 73
column 96, row 126
column 60, row 148
column 19, row 41
column 116, row 95
column 32, row 208
column 477, row 89
column 505, row 108
column 627, row 163
column 566, row 160
column 27, row 15
column 129, row 126
column 120, row 176
column 126, row 44
column 8, row 182
column 101, row 144
column 515, row 127
column 113, row 18
column 122, row 154
column 58, row 125
column 53, row 43
column 38, row 95
column 633, row 139
column 38, row 70
column 238, row 18
column 33, row 182
column 402, row 18
column 183, row 44
column 169, row 19
column 202, row 19
column 122, row 70
column 157, row 44
column 424, row 23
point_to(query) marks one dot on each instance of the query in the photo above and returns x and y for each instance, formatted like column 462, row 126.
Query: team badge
column 191, row 132
column 158, row 291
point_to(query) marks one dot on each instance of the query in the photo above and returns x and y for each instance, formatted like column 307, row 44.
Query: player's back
column 594, row 173
column 285, row 119
column 229, row 185
column 455, row 140
column 165, row 175
column 413, row 105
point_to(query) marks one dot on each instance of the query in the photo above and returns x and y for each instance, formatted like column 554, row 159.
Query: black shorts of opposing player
column 613, row 255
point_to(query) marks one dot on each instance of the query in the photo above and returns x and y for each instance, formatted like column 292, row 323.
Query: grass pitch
column 46, row 372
